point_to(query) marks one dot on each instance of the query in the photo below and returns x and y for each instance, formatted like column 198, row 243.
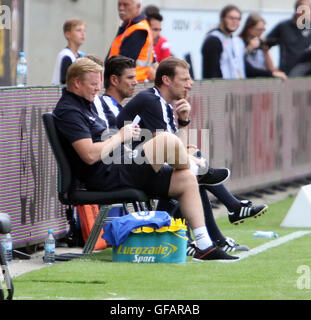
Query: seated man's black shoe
column 212, row 253
column 246, row 212
column 229, row 245
column 213, row 177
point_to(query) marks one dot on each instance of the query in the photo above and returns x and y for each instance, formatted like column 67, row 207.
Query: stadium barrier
column 28, row 174
column 260, row 129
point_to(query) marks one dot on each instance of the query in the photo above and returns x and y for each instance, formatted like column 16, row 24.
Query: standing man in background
column 293, row 40
column 161, row 46
column 134, row 39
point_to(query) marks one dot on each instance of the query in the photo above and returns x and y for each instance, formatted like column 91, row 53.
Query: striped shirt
column 155, row 113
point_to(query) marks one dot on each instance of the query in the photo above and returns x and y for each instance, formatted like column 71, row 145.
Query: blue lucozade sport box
column 149, row 245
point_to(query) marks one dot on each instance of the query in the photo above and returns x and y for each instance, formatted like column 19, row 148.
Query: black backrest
column 65, row 178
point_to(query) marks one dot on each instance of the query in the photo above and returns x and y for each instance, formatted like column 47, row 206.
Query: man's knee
column 191, row 177
column 188, row 177
column 183, row 181
column 167, row 141
column 173, row 150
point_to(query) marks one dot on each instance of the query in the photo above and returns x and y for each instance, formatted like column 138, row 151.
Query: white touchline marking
column 268, row 245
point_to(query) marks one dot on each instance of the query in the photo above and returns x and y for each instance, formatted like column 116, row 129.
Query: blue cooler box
column 148, row 245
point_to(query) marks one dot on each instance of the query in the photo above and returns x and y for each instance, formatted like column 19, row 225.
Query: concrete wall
column 277, row 5
column 44, row 20
column 44, row 36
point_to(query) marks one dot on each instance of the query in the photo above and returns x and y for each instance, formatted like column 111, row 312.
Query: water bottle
column 265, row 234
column 7, row 247
column 49, row 248
column 21, row 70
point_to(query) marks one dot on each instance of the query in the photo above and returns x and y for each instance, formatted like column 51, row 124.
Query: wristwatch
column 183, row 123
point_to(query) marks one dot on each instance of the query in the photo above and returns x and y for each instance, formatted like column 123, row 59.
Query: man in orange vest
column 134, row 39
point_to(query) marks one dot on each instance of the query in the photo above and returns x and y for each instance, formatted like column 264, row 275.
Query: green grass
column 269, row 275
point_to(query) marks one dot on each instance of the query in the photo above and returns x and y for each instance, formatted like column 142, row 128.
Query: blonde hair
column 80, row 68
column 71, row 23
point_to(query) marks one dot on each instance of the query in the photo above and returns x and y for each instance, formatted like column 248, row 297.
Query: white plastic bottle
column 7, row 247
column 265, row 234
column 21, row 70
column 49, row 248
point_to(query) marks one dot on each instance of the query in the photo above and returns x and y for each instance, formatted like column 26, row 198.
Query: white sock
column 202, row 238
column 194, row 168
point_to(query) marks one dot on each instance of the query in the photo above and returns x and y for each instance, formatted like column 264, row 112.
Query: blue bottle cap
column 50, row 231
column 21, row 54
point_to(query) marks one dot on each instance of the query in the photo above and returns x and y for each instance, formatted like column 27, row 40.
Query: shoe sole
column 241, row 248
column 258, row 214
column 218, row 183
column 200, row 260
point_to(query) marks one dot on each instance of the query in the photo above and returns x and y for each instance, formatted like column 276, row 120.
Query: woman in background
column 257, row 54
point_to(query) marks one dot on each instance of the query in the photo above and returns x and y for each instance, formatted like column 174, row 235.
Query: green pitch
column 282, row 272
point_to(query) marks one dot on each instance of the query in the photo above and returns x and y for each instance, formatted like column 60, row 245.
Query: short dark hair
column 96, row 59
column 227, row 9
column 116, row 65
column 167, row 67
column 153, row 12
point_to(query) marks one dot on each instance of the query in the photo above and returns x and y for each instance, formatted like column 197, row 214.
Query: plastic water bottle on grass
column 265, row 234
column 7, row 247
column 49, row 248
